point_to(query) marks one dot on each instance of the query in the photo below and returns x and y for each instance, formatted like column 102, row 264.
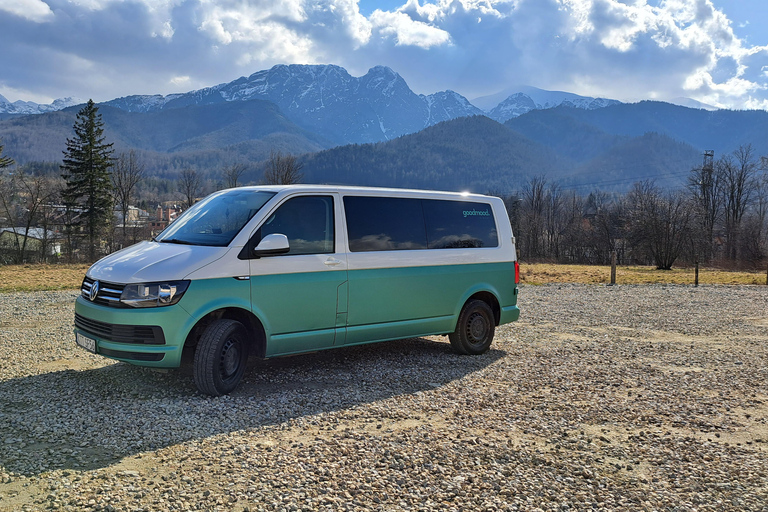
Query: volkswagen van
column 277, row 270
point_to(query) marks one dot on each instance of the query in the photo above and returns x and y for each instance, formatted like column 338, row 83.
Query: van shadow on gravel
column 84, row 420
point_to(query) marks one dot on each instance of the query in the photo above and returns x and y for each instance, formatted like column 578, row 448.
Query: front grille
column 108, row 294
column 138, row 334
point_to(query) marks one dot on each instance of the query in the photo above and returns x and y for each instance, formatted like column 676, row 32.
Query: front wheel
column 474, row 330
column 221, row 357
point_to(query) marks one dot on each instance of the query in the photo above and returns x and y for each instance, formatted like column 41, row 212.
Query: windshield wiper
column 176, row 241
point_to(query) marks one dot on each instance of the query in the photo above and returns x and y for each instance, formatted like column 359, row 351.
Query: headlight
column 150, row 295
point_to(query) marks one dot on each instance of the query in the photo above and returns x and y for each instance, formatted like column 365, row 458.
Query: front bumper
column 146, row 337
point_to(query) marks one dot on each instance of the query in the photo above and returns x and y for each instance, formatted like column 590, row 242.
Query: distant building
column 164, row 215
column 13, row 238
column 134, row 218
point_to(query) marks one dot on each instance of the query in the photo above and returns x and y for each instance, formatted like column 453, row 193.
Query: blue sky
column 714, row 51
column 748, row 18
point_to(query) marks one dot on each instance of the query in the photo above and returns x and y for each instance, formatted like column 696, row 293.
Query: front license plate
column 87, row 343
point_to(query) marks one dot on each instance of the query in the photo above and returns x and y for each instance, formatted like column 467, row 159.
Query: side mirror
column 273, row 244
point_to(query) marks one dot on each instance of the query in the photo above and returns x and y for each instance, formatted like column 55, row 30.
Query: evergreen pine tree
column 85, row 167
column 5, row 161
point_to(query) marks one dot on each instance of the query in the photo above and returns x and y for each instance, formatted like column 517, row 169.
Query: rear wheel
column 474, row 330
column 221, row 357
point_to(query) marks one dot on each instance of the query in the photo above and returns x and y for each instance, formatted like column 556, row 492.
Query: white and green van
column 277, row 270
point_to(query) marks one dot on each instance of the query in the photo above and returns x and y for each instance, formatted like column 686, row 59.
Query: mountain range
column 29, row 107
column 374, row 129
column 374, row 107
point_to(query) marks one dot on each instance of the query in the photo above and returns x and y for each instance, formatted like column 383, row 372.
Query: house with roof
column 13, row 239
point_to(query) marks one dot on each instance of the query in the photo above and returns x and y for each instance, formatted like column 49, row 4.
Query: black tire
column 474, row 330
column 221, row 357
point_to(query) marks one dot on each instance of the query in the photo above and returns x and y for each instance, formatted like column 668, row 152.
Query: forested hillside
column 480, row 155
column 719, row 130
column 473, row 153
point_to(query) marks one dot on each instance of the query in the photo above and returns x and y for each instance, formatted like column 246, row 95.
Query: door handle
column 332, row 262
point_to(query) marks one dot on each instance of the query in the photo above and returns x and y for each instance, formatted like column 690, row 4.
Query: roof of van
column 353, row 189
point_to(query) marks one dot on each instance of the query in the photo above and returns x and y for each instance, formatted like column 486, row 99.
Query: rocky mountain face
column 327, row 100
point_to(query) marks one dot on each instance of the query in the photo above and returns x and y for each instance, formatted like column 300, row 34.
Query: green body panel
column 399, row 330
column 392, row 303
column 298, row 311
column 509, row 314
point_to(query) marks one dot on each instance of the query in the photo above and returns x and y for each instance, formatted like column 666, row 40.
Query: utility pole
column 709, row 160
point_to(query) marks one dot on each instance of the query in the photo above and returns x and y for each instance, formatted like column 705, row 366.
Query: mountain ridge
column 376, row 106
column 371, row 108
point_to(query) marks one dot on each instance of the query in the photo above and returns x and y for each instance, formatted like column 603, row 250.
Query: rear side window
column 456, row 224
column 384, row 224
column 390, row 224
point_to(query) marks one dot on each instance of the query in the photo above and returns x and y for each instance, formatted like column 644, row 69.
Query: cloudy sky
column 715, row 51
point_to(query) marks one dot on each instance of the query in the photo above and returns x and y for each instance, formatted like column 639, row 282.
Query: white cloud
column 32, row 10
column 347, row 14
column 625, row 49
column 166, row 31
column 180, row 80
column 407, row 31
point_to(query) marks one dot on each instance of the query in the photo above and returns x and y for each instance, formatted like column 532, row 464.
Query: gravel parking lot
column 614, row 398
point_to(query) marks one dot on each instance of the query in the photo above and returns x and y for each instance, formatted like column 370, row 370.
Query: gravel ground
column 603, row 398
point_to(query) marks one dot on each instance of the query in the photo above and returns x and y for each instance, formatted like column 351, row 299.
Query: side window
column 384, row 223
column 308, row 223
column 457, row 224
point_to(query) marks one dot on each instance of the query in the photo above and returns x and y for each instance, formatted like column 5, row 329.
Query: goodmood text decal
column 473, row 213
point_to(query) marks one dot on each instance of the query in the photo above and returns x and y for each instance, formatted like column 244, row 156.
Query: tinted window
column 456, row 224
column 384, row 223
column 307, row 221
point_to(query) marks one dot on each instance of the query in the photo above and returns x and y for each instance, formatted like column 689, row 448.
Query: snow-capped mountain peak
column 519, row 100
column 327, row 100
column 30, row 107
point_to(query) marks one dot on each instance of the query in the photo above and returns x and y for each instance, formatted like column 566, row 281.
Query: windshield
column 215, row 220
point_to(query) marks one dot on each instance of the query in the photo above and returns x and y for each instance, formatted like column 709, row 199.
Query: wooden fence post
column 613, row 267
column 696, row 278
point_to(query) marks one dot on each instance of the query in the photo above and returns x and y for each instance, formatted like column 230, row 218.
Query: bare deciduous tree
column 706, row 187
column 282, row 169
column 534, row 209
column 23, row 199
column 232, row 174
column 658, row 223
column 738, row 174
column 189, row 185
column 126, row 173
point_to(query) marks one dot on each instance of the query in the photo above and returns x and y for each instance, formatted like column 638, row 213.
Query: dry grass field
column 543, row 273
column 27, row 278
column 30, row 278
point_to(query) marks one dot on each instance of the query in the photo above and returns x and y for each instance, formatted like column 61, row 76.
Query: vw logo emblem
column 94, row 291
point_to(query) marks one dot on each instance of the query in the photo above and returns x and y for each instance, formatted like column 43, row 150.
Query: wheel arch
column 490, row 299
column 252, row 324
